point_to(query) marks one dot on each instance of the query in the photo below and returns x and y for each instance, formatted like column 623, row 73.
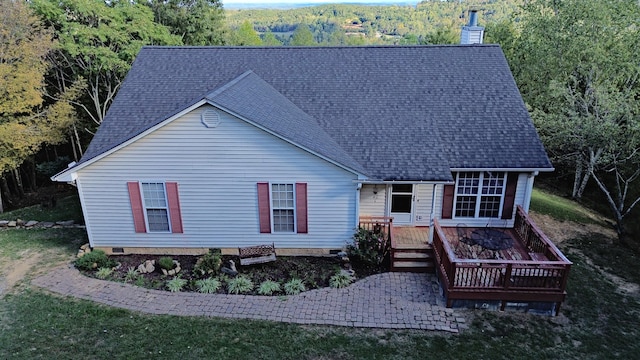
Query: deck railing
column 534, row 239
column 504, row 280
column 378, row 224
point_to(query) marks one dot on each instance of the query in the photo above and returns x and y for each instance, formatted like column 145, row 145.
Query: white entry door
column 402, row 204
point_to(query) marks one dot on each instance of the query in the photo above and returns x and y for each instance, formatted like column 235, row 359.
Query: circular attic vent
column 210, row 118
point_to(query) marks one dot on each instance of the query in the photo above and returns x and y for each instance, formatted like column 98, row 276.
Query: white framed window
column 155, row 204
column 283, row 208
column 479, row 194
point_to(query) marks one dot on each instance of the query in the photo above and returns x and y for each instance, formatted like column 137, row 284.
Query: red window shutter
column 264, row 210
column 447, row 201
column 174, row 207
column 509, row 195
column 301, row 208
column 136, row 207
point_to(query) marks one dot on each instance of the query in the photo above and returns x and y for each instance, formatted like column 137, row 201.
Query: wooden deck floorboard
column 465, row 251
column 411, row 237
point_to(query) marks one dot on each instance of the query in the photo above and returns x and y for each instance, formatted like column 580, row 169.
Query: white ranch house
column 225, row 147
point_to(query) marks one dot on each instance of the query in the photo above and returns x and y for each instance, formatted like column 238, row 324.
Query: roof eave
column 523, row 170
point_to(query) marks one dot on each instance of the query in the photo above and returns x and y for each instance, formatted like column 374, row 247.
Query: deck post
column 507, row 276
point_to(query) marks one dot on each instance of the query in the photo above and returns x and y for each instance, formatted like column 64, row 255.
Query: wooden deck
column 410, row 237
column 466, row 251
column 532, row 270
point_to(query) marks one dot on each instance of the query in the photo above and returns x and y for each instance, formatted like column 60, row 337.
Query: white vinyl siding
column 424, row 195
column 217, row 169
column 373, row 200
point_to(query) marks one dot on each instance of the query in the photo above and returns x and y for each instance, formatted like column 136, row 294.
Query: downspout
column 357, row 217
column 528, row 191
column 432, row 214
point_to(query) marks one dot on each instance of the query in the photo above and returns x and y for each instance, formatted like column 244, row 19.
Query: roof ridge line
column 211, row 95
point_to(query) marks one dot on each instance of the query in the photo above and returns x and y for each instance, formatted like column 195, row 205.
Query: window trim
column 145, row 208
column 479, row 195
column 272, row 208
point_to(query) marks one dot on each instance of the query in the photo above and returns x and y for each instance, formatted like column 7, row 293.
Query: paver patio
column 390, row 300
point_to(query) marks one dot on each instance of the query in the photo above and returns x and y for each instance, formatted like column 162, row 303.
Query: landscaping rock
column 176, row 269
column 347, row 272
column 31, row 223
column 84, row 249
column 47, row 224
column 12, row 224
column 4, row 223
column 65, row 223
column 19, row 222
column 147, row 267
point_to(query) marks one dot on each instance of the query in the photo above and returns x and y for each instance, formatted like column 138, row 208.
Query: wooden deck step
column 414, row 259
column 413, row 246
column 413, row 266
column 412, row 255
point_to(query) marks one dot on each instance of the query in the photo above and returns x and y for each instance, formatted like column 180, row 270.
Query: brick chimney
column 472, row 33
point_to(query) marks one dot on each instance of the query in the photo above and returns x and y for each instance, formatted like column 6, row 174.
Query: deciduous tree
column 303, row 36
column 576, row 63
column 196, row 22
column 246, row 35
column 571, row 55
column 98, row 42
column 27, row 119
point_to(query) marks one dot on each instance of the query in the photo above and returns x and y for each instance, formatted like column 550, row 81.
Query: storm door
column 402, row 204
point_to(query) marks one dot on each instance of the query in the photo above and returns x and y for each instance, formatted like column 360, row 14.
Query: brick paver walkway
column 389, row 300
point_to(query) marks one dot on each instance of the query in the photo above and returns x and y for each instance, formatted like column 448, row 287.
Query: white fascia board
column 522, row 170
column 414, row 182
column 360, row 175
column 66, row 176
column 71, row 172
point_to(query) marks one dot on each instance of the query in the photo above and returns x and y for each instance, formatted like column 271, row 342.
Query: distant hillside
column 425, row 22
column 293, row 4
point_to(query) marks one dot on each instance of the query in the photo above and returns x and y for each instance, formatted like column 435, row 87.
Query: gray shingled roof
column 396, row 113
column 271, row 110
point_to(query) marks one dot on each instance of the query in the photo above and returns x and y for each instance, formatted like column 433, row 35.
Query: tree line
column 575, row 63
column 429, row 22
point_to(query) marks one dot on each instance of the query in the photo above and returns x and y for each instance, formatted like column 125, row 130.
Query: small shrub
column 140, row 281
column 176, row 284
column 269, row 287
column 166, row 263
column 103, row 272
column 50, row 168
column 239, row 285
column 131, row 275
column 369, row 247
column 208, row 286
column 294, row 287
column 209, row 263
column 94, row 260
column 340, row 280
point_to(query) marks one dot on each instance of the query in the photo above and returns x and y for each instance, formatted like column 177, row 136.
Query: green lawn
column 67, row 208
column 562, row 209
column 596, row 322
column 15, row 242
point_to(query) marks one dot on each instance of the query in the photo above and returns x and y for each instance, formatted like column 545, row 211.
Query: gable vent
column 210, row 118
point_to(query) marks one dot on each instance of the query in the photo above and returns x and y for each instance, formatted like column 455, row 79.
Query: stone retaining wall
column 33, row 224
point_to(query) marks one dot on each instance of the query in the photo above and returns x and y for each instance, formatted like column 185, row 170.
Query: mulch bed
column 314, row 271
